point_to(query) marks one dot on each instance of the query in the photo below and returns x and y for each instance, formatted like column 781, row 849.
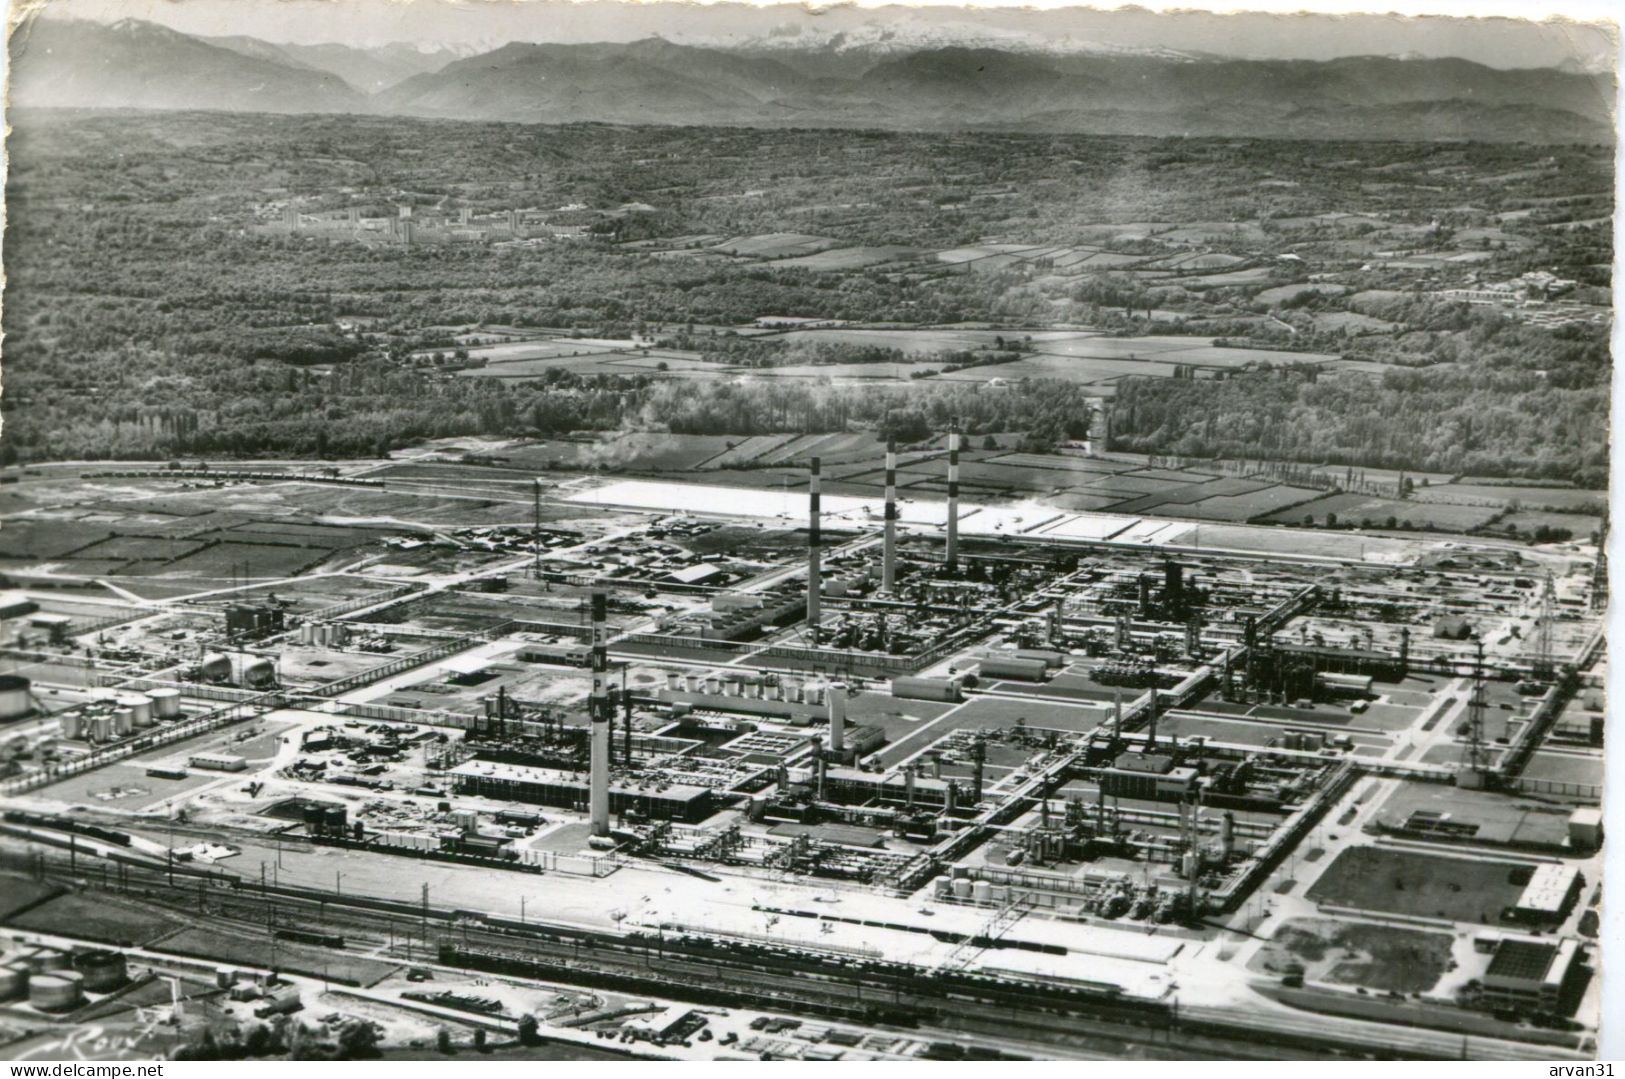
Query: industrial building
column 549, row 787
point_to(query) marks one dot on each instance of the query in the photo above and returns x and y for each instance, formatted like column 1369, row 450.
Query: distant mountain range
column 879, row 82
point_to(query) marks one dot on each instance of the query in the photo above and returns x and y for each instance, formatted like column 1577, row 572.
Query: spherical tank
column 215, row 667
column 15, row 699
column 257, row 671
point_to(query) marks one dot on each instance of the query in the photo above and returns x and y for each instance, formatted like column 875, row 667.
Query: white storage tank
column 166, row 703
column 101, row 728
column 73, row 725
column 140, row 706
column 123, row 721
column 981, row 891
column 16, row 697
column 307, row 633
column 215, row 668
column 962, row 887
column 56, row 992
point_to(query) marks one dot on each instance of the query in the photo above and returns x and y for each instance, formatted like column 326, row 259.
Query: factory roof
column 1160, row 763
column 524, row 773
column 1549, row 888
column 698, row 573
column 1532, row 964
column 896, row 779
column 1524, row 960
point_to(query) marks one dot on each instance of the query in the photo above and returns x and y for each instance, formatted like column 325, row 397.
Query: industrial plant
column 1148, row 782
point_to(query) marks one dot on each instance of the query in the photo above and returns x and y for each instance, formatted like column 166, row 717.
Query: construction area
column 1145, row 776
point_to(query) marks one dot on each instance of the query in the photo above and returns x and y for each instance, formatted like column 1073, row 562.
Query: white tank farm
column 56, row 992
column 166, row 703
column 215, row 668
column 140, row 706
column 16, row 697
column 13, row 982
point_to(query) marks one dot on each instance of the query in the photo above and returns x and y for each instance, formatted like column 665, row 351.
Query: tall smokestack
column 536, row 530
column 953, row 494
column 1151, row 731
column 598, row 786
column 837, row 719
column 888, row 567
column 815, row 582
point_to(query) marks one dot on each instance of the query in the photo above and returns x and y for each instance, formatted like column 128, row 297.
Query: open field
column 1383, row 958
column 1371, row 512
column 1422, row 885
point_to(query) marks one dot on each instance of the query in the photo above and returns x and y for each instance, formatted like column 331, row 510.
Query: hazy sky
column 1501, row 42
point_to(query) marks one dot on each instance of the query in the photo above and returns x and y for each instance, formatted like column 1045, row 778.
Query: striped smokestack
column 598, row 782
column 953, row 493
column 815, row 582
column 888, row 566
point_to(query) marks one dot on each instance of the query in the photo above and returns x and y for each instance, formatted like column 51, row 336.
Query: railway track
column 1051, row 1016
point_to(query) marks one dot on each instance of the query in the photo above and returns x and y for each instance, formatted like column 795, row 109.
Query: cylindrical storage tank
column 981, row 892
column 257, row 671
column 962, row 888
column 16, row 697
column 815, row 694
column 123, row 721
column 73, row 725
column 225, row 977
column 103, row 970
column 52, row 960
column 1025, row 670
column 13, row 982
column 341, row 634
column 315, row 816
column 215, row 668
column 307, row 633
column 101, row 728
column 166, row 703
column 335, row 818
column 324, row 634
column 56, row 992
column 140, row 706
column 671, row 681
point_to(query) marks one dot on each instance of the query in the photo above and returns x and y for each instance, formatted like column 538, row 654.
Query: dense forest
column 1454, row 420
